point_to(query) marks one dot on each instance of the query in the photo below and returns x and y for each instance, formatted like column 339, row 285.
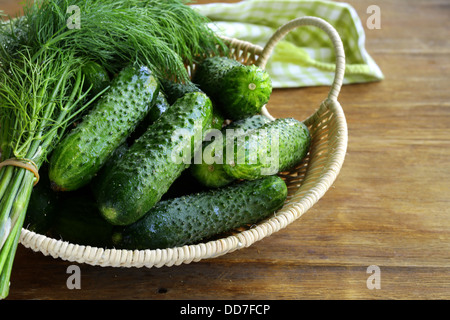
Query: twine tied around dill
column 24, row 163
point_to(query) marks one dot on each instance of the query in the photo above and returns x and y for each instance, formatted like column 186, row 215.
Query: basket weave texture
column 307, row 182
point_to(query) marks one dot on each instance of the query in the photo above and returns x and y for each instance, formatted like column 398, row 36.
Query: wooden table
column 389, row 207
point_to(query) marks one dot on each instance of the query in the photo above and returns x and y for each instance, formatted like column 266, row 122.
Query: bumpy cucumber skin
column 137, row 181
column 213, row 175
column 189, row 219
column 293, row 145
column 250, row 123
column 211, row 71
column 238, row 90
column 80, row 155
column 174, row 90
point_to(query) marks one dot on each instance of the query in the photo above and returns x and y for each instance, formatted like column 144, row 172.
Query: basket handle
column 331, row 32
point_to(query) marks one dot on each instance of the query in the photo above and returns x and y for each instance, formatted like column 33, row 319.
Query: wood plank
column 217, row 279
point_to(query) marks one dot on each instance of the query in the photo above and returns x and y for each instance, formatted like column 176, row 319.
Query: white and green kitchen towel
column 305, row 57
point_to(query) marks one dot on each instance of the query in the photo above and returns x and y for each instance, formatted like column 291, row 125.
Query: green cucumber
column 238, row 90
column 250, row 123
column 80, row 155
column 161, row 106
column 212, row 174
column 189, row 219
column 108, row 166
column 175, row 90
column 275, row 147
column 138, row 180
column 95, row 77
column 217, row 120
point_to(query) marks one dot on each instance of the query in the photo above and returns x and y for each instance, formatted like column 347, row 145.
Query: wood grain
column 389, row 206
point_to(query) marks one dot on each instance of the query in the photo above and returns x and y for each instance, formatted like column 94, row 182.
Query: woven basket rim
column 291, row 211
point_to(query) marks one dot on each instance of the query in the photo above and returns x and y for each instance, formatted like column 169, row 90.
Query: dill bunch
column 39, row 98
column 162, row 34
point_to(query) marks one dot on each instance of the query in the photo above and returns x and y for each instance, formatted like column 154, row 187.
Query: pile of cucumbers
column 157, row 163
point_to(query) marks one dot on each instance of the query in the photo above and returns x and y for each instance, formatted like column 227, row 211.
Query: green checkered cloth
column 305, row 57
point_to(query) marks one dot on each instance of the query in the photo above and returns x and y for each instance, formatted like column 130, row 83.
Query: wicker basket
column 307, row 183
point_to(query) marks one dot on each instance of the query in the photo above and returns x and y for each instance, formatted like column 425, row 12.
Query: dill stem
column 5, row 179
column 20, row 197
column 5, row 133
column 5, row 276
column 21, row 200
column 9, row 255
column 8, row 251
column 49, row 44
column 7, row 204
column 32, row 152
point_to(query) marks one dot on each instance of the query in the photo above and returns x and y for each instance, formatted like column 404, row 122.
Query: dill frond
column 164, row 35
